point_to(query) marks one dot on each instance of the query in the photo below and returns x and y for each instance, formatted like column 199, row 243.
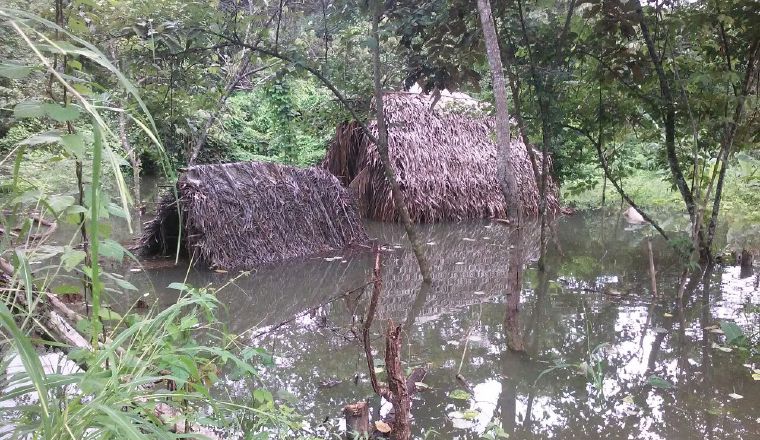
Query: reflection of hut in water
column 249, row 214
column 445, row 163
column 471, row 264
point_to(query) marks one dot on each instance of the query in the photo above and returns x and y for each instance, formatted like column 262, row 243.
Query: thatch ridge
column 445, row 163
column 250, row 214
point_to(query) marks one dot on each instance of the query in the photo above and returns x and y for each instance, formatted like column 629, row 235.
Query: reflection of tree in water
column 665, row 337
column 677, row 348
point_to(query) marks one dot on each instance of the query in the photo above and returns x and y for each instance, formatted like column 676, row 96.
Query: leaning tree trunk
column 382, row 148
column 506, row 174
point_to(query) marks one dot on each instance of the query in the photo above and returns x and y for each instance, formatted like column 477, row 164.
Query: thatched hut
column 445, row 162
column 249, row 214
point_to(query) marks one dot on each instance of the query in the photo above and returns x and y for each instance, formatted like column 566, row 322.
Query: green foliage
column 289, row 121
column 115, row 395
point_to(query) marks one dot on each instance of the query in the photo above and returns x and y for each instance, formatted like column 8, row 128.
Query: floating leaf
column 422, row 386
column 629, row 399
column 659, row 382
column 382, row 426
column 470, row 414
column 667, row 315
column 459, row 394
column 721, row 348
column 735, row 396
column 756, row 376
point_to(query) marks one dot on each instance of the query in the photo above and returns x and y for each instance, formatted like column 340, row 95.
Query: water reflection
column 590, row 305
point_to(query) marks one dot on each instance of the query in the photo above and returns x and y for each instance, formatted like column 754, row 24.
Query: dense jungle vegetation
column 646, row 103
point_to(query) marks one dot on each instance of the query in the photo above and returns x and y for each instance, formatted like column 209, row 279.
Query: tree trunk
column 382, row 148
column 729, row 133
column 397, row 383
column 357, row 420
column 506, row 174
column 669, row 120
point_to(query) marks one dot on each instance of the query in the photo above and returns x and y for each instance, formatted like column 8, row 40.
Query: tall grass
column 151, row 376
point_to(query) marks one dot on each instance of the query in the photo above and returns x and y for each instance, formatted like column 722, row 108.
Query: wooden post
column 357, row 420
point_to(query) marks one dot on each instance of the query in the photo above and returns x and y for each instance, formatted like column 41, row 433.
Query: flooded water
column 663, row 370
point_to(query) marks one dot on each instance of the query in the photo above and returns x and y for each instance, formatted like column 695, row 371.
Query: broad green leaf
column 83, row 89
column 29, row 109
column 71, row 258
column 124, row 284
column 178, row 286
column 78, row 25
column 48, row 137
column 109, row 315
column 59, row 203
column 14, row 71
column 733, row 332
column 61, row 113
column 112, row 249
column 73, row 144
column 74, row 64
column 262, row 396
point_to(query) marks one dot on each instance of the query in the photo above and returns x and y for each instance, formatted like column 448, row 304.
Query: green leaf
column 29, row 109
column 14, row 71
column 71, row 258
column 61, row 113
column 59, row 203
column 124, row 284
column 659, row 382
column 73, row 144
column 178, row 286
column 74, row 64
column 262, row 396
column 31, row 360
column 459, row 395
column 112, row 249
column 470, row 414
column 109, row 315
column 83, row 89
column 66, row 289
column 48, row 137
column 734, row 333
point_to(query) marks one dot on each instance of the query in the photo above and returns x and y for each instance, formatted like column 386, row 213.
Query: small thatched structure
column 249, row 214
column 445, row 162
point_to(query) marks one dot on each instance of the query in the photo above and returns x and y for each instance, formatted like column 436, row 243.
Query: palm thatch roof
column 445, row 163
column 249, row 214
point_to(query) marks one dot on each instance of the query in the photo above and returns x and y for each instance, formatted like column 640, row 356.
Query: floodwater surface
column 603, row 357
